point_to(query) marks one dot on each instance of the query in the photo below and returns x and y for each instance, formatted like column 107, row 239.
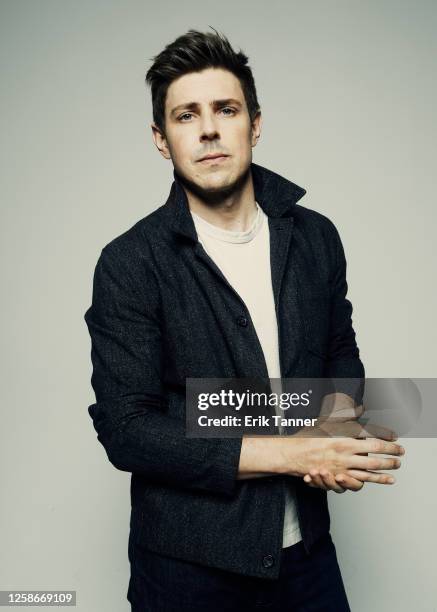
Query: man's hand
column 325, row 480
column 341, row 461
column 332, row 456
column 352, row 480
column 340, row 408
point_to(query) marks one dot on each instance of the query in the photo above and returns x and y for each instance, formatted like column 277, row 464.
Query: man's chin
column 215, row 188
column 221, row 185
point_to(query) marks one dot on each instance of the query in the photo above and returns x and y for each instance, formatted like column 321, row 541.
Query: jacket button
column 268, row 561
column 242, row 321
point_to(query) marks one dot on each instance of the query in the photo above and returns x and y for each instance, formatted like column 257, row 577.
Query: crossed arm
column 138, row 434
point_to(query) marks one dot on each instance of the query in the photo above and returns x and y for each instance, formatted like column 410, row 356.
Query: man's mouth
column 213, row 158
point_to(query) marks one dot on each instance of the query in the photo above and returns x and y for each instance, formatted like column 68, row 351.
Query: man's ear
column 256, row 128
column 160, row 141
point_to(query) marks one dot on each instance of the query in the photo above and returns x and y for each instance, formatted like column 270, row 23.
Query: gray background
column 348, row 92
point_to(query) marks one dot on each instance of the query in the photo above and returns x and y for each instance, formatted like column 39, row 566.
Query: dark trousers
column 307, row 583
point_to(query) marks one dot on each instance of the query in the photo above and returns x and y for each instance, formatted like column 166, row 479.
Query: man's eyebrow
column 214, row 103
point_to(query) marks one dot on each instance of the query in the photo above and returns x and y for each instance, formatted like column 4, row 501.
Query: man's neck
column 232, row 211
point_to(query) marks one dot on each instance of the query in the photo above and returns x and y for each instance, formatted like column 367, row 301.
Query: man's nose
column 208, row 129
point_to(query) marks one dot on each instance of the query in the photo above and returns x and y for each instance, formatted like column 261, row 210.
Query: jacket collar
column 275, row 194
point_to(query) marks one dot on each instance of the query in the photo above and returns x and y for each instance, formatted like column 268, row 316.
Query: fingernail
column 390, row 480
column 402, row 451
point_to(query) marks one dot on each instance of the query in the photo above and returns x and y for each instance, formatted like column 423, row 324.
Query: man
column 229, row 278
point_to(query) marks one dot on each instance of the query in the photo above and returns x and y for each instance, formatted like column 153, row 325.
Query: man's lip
column 213, row 156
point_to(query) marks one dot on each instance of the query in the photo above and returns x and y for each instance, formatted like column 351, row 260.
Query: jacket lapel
column 280, row 237
column 277, row 197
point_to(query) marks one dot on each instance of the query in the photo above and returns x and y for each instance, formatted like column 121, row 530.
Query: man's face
column 206, row 113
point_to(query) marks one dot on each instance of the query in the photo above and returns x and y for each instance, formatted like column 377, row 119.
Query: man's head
column 205, row 103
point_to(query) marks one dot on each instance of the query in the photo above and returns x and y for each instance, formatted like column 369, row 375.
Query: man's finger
column 330, row 482
column 358, row 462
column 344, row 482
column 375, row 431
column 375, row 445
column 349, row 482
column 323, row 480
column 317, row 480
column 369, row 476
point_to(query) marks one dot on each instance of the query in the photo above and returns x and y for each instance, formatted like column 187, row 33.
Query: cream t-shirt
column 244, row 259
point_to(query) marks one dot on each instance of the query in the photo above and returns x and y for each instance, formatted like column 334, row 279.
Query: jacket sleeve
column 344, row 363
column 130, row 414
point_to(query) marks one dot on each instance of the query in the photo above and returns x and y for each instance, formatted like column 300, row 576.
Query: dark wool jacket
column 161, row 312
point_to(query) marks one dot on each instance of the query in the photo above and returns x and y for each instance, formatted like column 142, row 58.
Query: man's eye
column 228, row 108
column 185, row 115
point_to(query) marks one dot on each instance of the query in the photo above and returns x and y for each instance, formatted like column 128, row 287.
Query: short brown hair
column 193, row 52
